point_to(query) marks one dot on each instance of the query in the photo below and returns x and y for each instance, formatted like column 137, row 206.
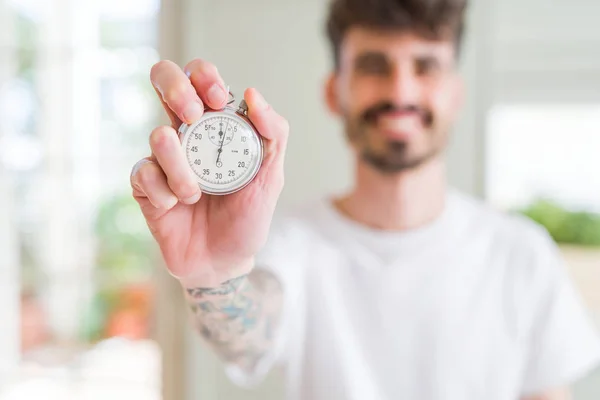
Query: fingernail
column 260, row 101
column 192, row 200
column 216, row 95
column 170, row 202
column 193, row 111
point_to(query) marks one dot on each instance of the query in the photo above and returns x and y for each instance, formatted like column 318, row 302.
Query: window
column 544, row 151
column 76, row 109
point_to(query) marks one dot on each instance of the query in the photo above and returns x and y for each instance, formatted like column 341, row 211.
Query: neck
column 402, row 201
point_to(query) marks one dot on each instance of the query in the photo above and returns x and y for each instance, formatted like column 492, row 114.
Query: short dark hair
column 435, row 19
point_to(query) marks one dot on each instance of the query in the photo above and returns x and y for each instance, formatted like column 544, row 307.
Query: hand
column 206, row 240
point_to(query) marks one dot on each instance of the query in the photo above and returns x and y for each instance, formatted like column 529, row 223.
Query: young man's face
column 398, row 95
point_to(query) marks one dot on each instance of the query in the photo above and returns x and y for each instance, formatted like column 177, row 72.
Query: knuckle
column 160, row 137
column 147, row 175
column 200, row 66
column 182, row 188
column 208, row 68
column 176, row 92
column 159, row 67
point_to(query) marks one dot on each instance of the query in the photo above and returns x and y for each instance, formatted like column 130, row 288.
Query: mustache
column 372, row 113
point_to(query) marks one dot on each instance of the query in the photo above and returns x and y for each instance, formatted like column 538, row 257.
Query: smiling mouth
column 399, row 124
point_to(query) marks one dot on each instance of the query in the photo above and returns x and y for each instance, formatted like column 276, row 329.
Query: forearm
column 239, row 317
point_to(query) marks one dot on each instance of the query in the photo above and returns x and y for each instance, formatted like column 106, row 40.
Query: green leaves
column 566, row 226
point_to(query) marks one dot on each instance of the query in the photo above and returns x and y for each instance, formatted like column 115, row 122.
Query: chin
column 399, row 159
column 387, row 166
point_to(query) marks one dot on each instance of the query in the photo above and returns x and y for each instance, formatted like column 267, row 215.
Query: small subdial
column 217, row 133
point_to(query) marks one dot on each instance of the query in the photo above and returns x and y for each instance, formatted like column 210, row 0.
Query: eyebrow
column 429, row 58
column 369, row 58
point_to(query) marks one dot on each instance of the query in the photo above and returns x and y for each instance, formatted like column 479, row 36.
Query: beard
column 392, row 156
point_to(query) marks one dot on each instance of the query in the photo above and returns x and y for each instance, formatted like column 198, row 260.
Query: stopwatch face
column 223, row 151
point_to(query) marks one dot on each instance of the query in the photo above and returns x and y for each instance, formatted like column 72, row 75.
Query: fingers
column 169, row 179
column 275, row 129
column 208, row 83
column 178, row 96
column 184, row 93
column 270, row 125
column 166, row 148
column 149, row 179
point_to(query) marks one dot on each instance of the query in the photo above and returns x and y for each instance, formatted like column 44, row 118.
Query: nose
column 404, row 86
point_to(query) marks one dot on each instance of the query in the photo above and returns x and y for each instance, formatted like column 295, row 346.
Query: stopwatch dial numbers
column 221, row 166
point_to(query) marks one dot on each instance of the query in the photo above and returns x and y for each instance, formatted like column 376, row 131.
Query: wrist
column 214, row 277
column 226, row 290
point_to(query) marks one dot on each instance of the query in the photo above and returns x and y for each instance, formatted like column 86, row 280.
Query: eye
column 372, row 64
column 427, row 66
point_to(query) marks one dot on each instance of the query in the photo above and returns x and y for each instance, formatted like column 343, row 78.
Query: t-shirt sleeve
column 563, row 343
column 278, row 257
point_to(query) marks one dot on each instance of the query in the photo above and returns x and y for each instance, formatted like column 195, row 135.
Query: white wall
column 546, row 51
column 280, row 48
column 276, row 46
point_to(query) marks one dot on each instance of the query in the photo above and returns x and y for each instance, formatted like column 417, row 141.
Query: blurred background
column 87, row 309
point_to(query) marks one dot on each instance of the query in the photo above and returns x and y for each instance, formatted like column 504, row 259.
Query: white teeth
column 400, row 124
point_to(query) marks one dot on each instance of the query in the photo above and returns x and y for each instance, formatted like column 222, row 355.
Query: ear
column 331, row 94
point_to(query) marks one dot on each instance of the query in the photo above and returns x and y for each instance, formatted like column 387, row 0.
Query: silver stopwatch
column 223, row 149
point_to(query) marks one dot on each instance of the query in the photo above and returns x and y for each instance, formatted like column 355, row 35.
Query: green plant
column 565, row 226
column 125, row 250
column 125, row 255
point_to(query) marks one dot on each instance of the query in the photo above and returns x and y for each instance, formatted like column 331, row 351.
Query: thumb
column 275, row 131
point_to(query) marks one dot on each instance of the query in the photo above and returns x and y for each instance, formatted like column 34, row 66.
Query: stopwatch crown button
column 243, row 107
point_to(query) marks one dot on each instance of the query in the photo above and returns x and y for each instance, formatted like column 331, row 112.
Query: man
column 402, row 288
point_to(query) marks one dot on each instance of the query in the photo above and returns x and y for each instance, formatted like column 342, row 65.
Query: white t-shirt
column 476, row 305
